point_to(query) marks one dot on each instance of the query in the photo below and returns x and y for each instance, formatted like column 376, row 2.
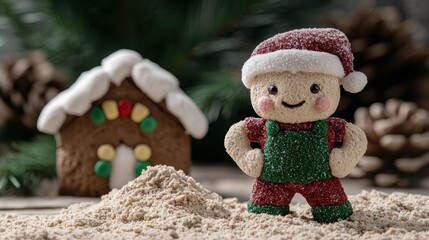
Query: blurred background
column 46, row 44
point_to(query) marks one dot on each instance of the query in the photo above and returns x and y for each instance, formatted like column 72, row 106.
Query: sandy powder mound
column 165, row 204
column 162, row 198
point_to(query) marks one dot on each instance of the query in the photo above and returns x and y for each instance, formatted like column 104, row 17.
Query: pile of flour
column 165, row 204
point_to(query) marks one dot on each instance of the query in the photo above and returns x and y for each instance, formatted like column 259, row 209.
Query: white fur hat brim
column 296, row 60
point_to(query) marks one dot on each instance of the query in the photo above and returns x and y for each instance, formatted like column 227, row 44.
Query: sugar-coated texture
column 255, row 130
column 330, row 214
column 266, row 104
column 323, row 50
column 237, row 145
column 268, row 209
column 239, row 136
column 323, row 192
column 354, row 82
column 293, row 89
column 343, row 160
column 296, row 156
column 151, row 79
column 326, row 197
column 328, row 40
column 165, row 204
column 294, row 79
column 322, row 104
column 292, row 61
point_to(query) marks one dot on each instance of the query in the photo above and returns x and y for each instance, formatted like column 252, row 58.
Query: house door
column 122, row 167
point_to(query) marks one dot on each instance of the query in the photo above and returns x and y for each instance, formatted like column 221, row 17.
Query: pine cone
column 398, row 144
column 26, row 85
column 384, row 49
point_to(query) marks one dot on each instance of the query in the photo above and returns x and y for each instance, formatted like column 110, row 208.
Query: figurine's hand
column 253, row 162
column 336, row 164
column 343, row 160
column 237, row 145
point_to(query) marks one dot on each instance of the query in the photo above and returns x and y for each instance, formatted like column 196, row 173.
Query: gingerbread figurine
column 294, row 80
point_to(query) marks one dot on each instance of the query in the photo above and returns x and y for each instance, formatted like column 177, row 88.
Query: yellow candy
column 142, row 152
column 139, row 112
column 110, row 109
column 106, row 152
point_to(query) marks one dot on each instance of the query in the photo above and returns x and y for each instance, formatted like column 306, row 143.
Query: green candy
column 103, row 168
column 148, row 125
column 97, row 115
column 140, row 166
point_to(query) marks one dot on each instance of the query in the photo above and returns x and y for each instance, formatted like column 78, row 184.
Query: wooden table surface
column 228, row 181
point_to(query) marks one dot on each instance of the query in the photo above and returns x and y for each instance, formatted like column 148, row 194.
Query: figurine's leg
column 269, row 197
column 328, row 200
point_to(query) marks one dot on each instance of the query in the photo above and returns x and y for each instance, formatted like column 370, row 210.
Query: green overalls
column 298, row 161
column 296, row 156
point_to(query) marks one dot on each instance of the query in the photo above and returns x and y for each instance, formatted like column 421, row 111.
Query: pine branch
column 17, row 13
column 77, row 34
column 196, row 40
column 220, row 95
column 21, row 171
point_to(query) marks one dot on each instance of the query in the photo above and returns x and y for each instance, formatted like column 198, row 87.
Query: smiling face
column 295, row 97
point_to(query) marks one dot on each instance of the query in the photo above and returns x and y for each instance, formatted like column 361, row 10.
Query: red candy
column 125, row 107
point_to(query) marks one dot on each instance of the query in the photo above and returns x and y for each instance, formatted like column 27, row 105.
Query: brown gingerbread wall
column 79, row 139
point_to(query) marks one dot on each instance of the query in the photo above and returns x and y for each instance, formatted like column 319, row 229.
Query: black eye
column 315, row 88
column 272, row 89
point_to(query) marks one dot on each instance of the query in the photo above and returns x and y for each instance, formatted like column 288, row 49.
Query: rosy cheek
column 322, row 104
column 265, row 104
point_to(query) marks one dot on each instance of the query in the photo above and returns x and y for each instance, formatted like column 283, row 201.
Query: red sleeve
column 336, row 130
column 255, row 128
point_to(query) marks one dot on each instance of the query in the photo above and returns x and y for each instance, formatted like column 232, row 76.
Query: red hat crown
column 319, row 50
column 328, row 40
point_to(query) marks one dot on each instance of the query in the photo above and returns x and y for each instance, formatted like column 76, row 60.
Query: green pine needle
column 21, row 171
column 196, row 40
column 220, row 95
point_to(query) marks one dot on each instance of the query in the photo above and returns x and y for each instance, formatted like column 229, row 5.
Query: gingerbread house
column 116, row 120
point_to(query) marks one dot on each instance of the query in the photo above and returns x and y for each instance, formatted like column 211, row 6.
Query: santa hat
column 318, row 50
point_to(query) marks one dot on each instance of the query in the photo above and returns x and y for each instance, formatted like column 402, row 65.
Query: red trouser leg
column 271, row 193
column 325, row 193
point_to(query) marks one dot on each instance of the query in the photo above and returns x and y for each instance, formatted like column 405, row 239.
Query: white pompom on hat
column 317, row 50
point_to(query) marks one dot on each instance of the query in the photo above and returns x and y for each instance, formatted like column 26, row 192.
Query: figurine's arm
column 343, row 160
column 238, row 147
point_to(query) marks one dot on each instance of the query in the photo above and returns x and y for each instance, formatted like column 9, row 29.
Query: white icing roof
column 151, row 79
